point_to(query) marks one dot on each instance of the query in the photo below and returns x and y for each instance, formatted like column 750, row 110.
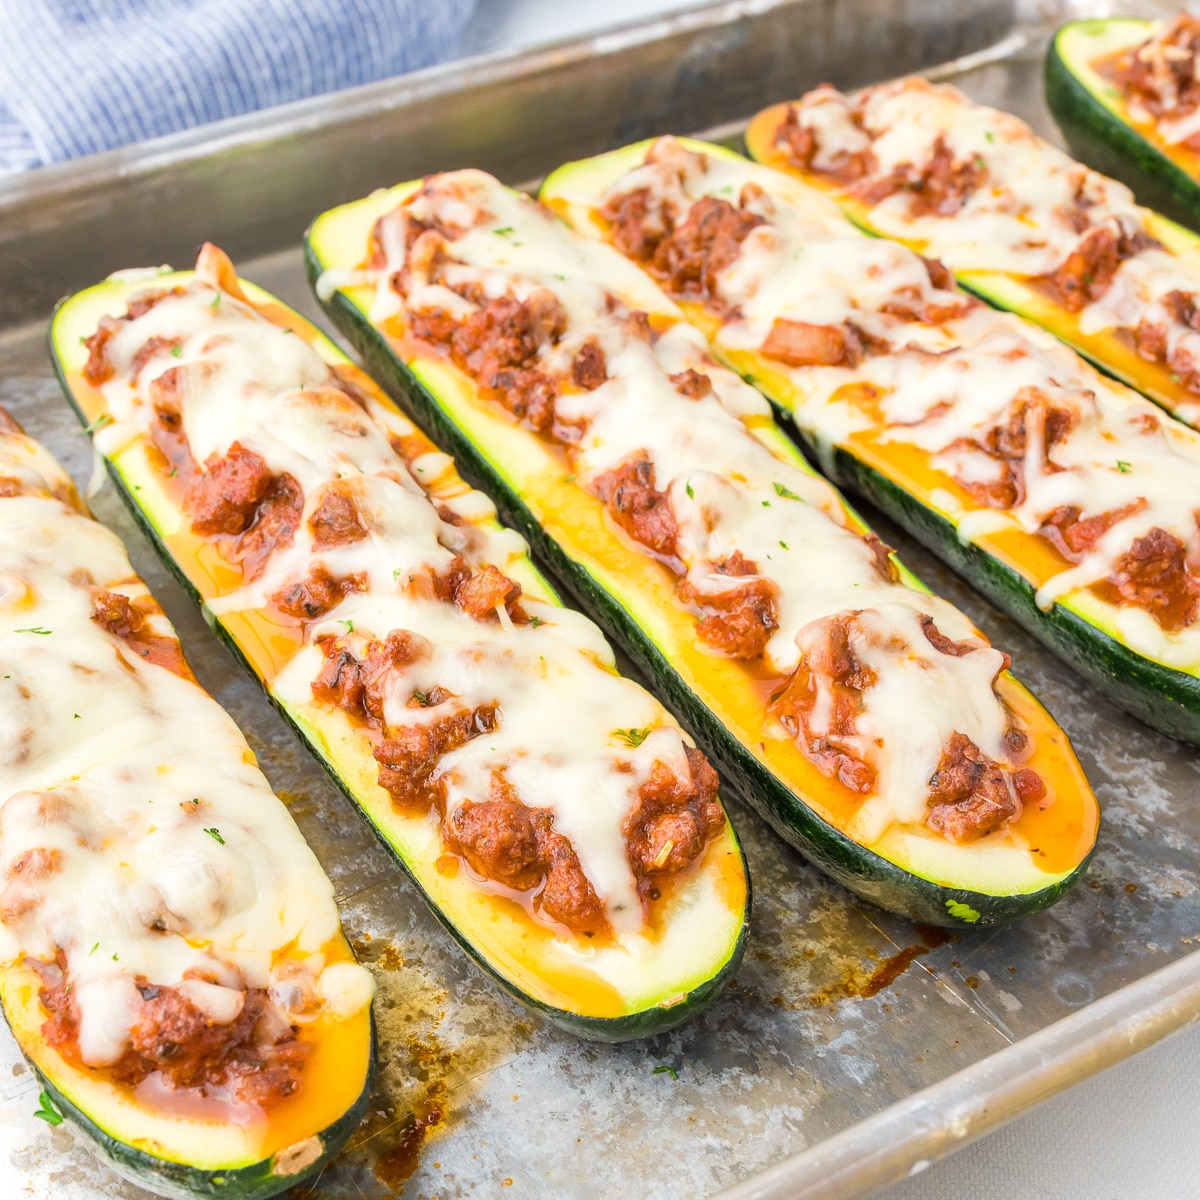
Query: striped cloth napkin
column 80, row 76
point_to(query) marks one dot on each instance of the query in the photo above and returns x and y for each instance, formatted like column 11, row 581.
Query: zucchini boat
column 821, row 677
column 171, row 961
column 1016, row 220
column 1123, row 92
column 550, row 810
column 1063, row 496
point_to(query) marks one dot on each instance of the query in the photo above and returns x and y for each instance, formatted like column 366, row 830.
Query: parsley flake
column 990, row 136
column 215, row 834
column 38, row 629
column 534, row 622
column 349, row 625
column 786, row 493
column 632, row 737
column 691, row 495
column 504, row 231
column 177, row 350
column 95, row 947
column 422, row 698
column 666, row 1071
column 76, row 716
column 99, row 423
column 172, row 472
column 1123, row 467
column 216, row 300
column 785, row 545
column 766, row 504
column 47, row 1110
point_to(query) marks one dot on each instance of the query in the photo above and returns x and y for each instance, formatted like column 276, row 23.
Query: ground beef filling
column 1032, row 415
column 674, row 820
column 508, row 842
column 689, row 257
column 737, row 621
column 800, row 146
column 644, row 513
column 1152, row 343
column 970, row 794
column 501, row 838
column 1160, row 73
column 1089, row 269
column 255, row 1059
column 122, row 619
column 239, row 499
column 99, row 368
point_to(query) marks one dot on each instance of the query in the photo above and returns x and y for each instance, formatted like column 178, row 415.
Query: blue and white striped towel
column 80, row 76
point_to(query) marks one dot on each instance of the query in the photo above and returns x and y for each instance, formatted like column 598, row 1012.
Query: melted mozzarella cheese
column 1023, row 219
column 169, row 852
column 1018, row 220
column 943, row 387
column 560, row 698
column 728, row 491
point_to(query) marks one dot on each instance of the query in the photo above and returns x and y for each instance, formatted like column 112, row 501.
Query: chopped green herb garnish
column 786, row 493
column 422, row 698
column 349, row 625
column 177, row 350
column 504, row 232
column 1123, row 467
column 95, row 947
column 47, row 1110
column 534, row 622
column 172, row 472
column 766, row 504
column 666, row 1071
column 76, row 716
column 980, row 163
column 989, row 135
column 784, row 545
column 99, row 423
column 215, row 834
column 1174, row 378
column 216, row 300
column 115, row 958
column 40, row 629
column 562, row 278
column 569, row 479
column 632, row 737
column 690, row 494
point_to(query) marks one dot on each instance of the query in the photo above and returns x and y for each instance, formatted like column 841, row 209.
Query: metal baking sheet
column 824, row 1070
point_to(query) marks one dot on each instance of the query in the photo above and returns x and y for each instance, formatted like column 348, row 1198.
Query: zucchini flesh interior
column 1099, row 126
column 1139, row 664
column 651, row 977
column 908, row 868
column 985, row 256
column 134, row 791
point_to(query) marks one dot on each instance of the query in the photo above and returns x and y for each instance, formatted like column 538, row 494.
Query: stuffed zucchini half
column 1125, row 95
column 1016, row 220
column 1061, row 495
column 868, row 721
column 171, row 961
column 549, row 809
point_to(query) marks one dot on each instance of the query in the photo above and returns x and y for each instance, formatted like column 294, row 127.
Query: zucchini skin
column 852, row 865
column 1108, row 144
column 181, row 1182
column 641, row 1024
